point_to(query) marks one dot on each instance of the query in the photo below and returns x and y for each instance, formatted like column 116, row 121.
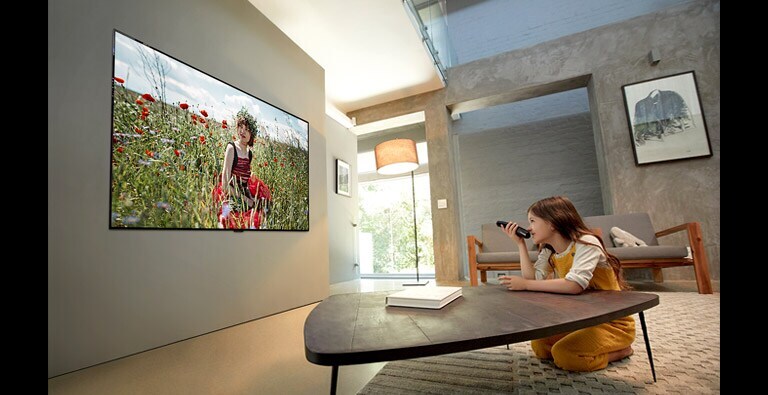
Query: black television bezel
column 111, row 145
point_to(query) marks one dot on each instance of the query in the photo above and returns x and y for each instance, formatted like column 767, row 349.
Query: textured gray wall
column 688, row 38
column 112, row 293
column 479, row 29
column 503, row 171
column 523, row 111
column 342, row 210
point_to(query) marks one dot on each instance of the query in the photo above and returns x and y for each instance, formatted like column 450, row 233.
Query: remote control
column 521, row 232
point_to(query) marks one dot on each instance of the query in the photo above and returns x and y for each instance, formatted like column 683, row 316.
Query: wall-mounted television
column 189, row 151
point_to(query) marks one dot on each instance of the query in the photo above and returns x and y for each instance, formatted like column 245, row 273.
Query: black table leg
column 335, row 376
column 647, row 344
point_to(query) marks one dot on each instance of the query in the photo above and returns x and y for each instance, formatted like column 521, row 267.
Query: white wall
column 342, row 210
column 112, row 293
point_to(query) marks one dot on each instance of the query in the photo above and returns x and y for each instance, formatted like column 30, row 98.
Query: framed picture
column 342, row 178
column 665, row 119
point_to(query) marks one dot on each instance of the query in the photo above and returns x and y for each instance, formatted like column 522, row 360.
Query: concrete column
column 446, row 229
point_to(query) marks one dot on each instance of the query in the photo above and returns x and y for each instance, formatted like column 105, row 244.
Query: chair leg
column 700, row 262
column 658, row 277
column 472, row 261
column 472, row 273
column 483, row 276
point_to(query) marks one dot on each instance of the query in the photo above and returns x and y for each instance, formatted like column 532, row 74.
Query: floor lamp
column 399, row 156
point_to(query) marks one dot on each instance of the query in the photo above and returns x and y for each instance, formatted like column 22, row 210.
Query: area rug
column 684, row 332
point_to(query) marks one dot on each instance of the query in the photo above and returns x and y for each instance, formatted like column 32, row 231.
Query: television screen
column 192, row 152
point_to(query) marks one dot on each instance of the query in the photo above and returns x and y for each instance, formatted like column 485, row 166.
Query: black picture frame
column 665, row 118
column 343, row 180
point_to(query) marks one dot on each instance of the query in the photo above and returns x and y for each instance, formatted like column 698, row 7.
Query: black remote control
column 521, row 232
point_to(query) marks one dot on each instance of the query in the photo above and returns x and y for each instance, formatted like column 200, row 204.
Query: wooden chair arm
column 696, row 244
column 478, row 242
column 675, row 229
column 472, row 241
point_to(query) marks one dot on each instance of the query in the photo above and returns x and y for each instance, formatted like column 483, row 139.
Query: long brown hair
column 562, row 214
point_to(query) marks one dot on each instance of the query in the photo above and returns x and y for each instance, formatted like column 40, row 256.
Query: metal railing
column 430, row 18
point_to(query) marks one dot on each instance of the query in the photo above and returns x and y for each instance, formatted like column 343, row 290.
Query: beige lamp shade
column 396, row 156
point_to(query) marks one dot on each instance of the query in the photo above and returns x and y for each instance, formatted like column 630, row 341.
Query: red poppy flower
column 206, row 126
column 202, row 139
column 187, row 143
column 194, row 117
column 201, row 119
column 145, row 110
column 275, row 160
column 176, row 152
column 118, row 79
column 120, row 149
column 139, row 131
column 223, row 121
column 223, row 125
column 143, row 116
column 282, row 165
column 181, row 167
column 184, row 106
column 149, row 97
column 139, row 102
column 150, row 153
column 205, row 114
column 266, row 163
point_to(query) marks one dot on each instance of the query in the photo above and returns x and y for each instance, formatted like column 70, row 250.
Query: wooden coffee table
column 349, row 329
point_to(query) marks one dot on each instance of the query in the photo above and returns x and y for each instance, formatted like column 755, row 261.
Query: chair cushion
column 648, row 252
column 504, row 257
column 639, row 224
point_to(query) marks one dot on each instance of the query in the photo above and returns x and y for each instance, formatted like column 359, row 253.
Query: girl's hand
column 513, row 283
column 510, row 231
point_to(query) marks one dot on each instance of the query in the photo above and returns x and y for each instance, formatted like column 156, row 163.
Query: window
column 386, row 242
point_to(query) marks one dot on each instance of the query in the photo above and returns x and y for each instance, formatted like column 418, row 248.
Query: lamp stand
column 415, row 236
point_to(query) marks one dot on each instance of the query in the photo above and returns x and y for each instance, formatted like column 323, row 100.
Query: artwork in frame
column 665, row 119
column 177, row 130
column 342, row 178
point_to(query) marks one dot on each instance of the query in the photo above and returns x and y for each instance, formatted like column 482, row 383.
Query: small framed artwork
column 342, row 178
column 665, row 118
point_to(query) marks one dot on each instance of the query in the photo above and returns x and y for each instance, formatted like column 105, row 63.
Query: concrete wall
column 601, row 59
column 112, row 293
column 480, row 29
column 447, row 239
column 528, row 111
column 342, row 210
column 503, row 171
column 688, row 38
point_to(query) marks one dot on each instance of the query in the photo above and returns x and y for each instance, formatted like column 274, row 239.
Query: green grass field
column 166, row 162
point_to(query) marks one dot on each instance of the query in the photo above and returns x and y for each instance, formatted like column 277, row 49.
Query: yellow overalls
column 587, row 349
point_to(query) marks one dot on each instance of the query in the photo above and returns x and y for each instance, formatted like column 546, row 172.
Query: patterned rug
column 684, row 332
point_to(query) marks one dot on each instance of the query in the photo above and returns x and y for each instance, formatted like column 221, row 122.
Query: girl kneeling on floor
column 578, row 257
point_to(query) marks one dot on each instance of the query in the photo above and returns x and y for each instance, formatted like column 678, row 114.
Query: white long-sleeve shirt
column 585, row 260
